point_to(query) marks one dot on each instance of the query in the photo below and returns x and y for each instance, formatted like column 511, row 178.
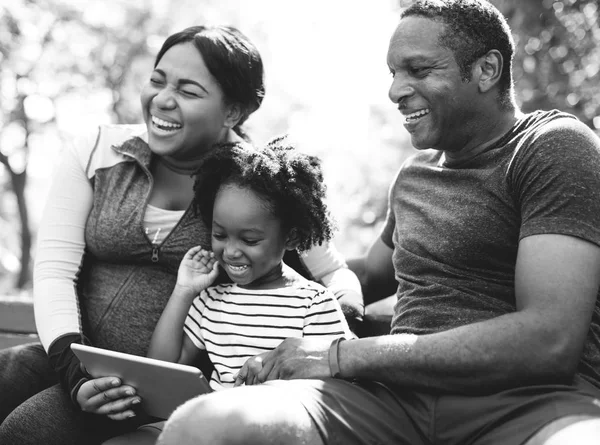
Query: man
column 492, row 240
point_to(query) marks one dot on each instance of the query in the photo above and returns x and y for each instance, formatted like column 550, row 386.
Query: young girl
column 258, row 204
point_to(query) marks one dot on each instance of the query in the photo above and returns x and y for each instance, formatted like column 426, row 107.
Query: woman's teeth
column 237, row 268
column 165, row 125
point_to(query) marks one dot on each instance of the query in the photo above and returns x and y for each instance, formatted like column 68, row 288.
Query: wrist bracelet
column 334, row 363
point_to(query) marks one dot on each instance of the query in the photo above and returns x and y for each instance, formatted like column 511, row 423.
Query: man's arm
column 375, row 272
column 556, row 284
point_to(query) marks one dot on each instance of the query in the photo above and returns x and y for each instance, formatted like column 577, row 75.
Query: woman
column 117, row 223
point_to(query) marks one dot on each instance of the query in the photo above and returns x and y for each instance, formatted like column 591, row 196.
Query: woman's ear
column 292, row 240
column 234, row 115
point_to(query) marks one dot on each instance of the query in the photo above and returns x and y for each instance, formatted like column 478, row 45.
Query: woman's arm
column 328, row 266
column 60, row 249
column 59, row 254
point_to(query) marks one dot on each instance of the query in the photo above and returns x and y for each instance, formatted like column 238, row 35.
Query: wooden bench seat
column 17, row 325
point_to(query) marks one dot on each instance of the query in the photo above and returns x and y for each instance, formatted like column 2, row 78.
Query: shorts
column 370, row 413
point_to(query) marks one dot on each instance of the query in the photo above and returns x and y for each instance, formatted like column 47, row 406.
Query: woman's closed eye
column 189, row 93
column 251, row 242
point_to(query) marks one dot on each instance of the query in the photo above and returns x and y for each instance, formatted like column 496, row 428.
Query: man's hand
column 296, row 358
column 248, row 375
column 107, row 396
column 197, row 271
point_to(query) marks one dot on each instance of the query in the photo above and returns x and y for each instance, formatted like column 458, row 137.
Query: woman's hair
column 289, row 182
column 231, row 59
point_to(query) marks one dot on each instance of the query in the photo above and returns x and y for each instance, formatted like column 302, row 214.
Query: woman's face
column 184, row 106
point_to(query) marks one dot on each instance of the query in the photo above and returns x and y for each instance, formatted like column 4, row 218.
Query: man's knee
column 582, row 430
column 208, row 419
column 245, row 415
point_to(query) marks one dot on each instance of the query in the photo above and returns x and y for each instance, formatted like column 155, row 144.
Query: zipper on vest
column 155, row 254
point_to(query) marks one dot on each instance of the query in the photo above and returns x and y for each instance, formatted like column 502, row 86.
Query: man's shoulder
column 555, row 131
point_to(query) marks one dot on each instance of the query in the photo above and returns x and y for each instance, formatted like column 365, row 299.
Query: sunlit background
column 68, row 65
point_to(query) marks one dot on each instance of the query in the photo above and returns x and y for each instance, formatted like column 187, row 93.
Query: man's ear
column 234, row 114
column 292, row 240
column 488, row 69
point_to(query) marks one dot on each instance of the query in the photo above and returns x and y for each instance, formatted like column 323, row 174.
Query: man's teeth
column 417, row 114
column 165, row 125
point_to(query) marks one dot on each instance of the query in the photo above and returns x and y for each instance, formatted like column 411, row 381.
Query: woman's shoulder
column 93, row 148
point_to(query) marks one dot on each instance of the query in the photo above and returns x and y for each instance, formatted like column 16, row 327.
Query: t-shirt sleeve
column 193, row 321
column 61, row 244
column 387, row 233
column 556, row 180
column 324, row 317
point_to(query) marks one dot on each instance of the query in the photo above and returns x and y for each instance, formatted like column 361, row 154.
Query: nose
column 165, row 99
column 400, row 88
column 231, row 250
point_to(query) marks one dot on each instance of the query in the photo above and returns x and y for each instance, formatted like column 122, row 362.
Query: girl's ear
column 233, row 115
column 292, row 240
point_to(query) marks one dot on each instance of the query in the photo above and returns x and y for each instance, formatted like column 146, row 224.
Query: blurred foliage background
column 68, row 65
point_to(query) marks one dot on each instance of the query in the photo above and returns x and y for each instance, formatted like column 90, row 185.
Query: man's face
column 437, row 104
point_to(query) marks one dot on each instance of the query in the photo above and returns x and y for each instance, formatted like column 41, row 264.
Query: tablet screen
column 162, row 386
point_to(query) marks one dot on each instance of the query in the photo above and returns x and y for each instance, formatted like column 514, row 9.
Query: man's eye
column 420, row 71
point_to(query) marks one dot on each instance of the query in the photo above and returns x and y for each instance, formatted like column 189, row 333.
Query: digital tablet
column 162, row 386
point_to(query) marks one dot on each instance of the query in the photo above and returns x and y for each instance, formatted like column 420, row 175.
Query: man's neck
column 489, row 131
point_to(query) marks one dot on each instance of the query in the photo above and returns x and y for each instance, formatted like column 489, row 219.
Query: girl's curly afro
column 289, row 181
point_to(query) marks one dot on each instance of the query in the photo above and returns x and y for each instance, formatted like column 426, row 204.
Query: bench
column 17, row 325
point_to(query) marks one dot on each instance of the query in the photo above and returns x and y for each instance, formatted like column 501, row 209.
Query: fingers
column 240, row 377
column 192, row 252
column 107, row 396
column 267, row 372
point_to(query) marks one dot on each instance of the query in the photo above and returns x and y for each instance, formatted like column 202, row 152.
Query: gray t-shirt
column 455, row 229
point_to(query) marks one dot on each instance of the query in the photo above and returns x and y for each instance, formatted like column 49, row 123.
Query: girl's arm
column 197, row 271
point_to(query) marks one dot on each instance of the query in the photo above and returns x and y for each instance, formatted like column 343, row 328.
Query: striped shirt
column 234, row 324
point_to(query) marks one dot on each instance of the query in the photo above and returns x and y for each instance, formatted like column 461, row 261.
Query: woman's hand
column 249, row 373
column 107, row 396
column 197, row 271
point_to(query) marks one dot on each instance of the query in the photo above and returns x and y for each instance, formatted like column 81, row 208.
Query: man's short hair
column 473, row 27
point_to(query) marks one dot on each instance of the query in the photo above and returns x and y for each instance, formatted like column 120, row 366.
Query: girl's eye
column 251, row 242
column 218, row 236
column 155, row 81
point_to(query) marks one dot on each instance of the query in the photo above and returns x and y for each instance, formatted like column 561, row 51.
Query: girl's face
column 247, row 239
column 184, row 106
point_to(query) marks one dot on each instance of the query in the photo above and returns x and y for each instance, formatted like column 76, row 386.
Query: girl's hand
column 107, row 396
column 197, row 271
